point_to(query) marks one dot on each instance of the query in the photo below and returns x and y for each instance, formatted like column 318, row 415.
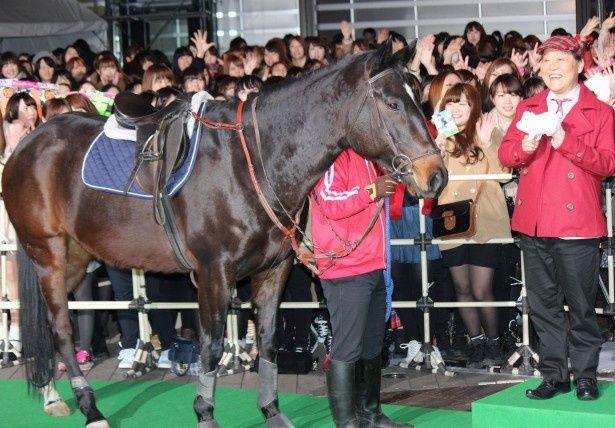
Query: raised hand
column 519, row 59
column 426, row 46
column 461, row 63
column 346, row 30
column 484, row 128
column 608, row 23
column 481, row 70
column 591, row 26
column 454, row 46
column 199, row 39
column 383, row 35
column 534, row 58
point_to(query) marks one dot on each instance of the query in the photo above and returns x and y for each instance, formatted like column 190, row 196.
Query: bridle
column 401, row 164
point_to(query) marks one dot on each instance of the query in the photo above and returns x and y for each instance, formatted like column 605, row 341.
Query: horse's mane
column 316, row 74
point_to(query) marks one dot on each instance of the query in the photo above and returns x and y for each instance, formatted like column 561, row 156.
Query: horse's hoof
column 57, row 408
column 98, row 424
column 208, row 424
column 279, row 421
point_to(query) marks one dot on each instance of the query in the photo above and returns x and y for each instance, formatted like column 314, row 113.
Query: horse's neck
column 298, row 153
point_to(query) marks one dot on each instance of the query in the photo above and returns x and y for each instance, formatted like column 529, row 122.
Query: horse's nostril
column 437, row 181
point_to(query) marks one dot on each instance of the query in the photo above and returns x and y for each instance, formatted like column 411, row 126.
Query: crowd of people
column 480, row 79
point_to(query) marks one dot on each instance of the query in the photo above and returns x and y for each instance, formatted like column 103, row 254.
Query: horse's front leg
column 213, row 294
column 267, row 291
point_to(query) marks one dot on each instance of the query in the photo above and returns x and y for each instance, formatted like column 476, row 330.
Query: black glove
column 381, row 188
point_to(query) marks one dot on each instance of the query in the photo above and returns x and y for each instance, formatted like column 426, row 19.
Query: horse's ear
column 381, row 59
column 405, row 55
column 384, row 57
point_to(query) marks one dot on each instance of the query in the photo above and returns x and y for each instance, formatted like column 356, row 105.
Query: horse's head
column 388, row 126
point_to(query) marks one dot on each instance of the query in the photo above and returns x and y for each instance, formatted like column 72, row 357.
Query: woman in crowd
column 44, row 67
column 107, row 71
column 20, row 119
column 439, row 85
column 319, row 50
column 496, row 68
column 298, row 51
column 9, row 66
column 156, row 77
column 233, row 66
column 471, row 151
column 193, row 80
column 77, row 69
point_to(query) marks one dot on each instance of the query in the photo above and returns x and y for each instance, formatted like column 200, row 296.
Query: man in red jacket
column 559, row 217
column 344, row 202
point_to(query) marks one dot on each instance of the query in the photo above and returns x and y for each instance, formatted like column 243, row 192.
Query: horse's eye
column 392, row 105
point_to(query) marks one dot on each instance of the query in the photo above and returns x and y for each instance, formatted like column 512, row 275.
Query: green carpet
column 161, row 404
column 510, row 408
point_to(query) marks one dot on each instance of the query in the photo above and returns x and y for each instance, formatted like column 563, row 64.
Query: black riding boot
column 368, row 382
column 340, row 389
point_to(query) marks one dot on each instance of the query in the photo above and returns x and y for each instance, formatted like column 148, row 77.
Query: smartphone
column 455, row 57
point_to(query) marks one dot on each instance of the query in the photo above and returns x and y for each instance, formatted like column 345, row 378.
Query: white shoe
column 414, row 354
column 126, row 357
column 15, row 337
column 163, row 361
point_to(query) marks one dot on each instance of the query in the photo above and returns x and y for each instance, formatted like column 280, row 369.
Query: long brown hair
column 465, row 141
column 435, row 89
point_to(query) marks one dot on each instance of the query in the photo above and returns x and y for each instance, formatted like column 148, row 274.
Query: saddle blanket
column 109, row 161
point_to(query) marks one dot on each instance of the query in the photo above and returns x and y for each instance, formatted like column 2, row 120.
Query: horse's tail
column 36, row 337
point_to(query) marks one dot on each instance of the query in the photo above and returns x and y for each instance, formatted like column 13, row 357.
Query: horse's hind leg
column 69, row 272
column 213, row 294
column 267, row 291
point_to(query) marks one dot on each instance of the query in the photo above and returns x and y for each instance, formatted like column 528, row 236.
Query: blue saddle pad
column 109, row 162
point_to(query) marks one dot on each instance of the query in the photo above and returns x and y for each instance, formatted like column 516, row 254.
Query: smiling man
column 559, row 217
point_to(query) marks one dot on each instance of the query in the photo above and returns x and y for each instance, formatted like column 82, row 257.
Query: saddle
column 160, row 139
column 160, row 134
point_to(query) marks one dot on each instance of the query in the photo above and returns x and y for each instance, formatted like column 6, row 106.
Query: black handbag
column 456, row 219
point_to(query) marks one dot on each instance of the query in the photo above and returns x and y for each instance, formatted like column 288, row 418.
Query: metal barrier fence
column 524, row 352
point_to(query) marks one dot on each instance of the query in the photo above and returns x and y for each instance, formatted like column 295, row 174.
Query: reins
column 401, row 164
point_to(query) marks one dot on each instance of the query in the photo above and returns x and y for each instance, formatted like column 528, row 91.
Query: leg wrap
column 206, row 387
column 79, row 382
column 268, row 379
column 208, row 424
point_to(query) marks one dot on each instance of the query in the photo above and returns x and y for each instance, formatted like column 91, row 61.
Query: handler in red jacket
column 559, row 217
column 344, row 202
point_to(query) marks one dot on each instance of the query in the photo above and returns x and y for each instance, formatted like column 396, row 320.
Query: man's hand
column 530, row 143
column 381, row 188
column 558, row 138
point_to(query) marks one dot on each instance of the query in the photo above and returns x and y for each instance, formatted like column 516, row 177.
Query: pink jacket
column 560, row 191
column 341, row 206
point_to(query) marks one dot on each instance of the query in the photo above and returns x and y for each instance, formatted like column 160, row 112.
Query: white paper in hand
column 599, row 85
column 546, row 123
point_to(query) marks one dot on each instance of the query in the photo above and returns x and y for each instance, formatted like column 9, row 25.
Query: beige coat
column 492, row 219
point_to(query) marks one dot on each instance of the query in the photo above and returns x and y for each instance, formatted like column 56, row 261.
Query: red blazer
column 560, row 191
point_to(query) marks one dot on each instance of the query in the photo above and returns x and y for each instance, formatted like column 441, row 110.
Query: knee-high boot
column 341, row 392
column 368, row 381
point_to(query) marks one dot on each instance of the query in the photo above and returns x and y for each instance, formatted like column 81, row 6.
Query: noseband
column 401, row 164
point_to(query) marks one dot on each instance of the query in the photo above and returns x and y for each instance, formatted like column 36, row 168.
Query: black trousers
column 357, row 305
column 559, row 271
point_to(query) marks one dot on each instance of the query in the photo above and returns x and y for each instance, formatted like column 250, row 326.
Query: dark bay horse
column 362, row 102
